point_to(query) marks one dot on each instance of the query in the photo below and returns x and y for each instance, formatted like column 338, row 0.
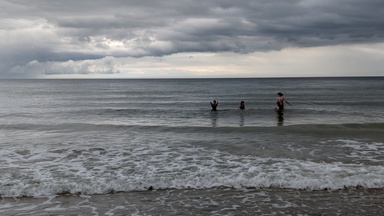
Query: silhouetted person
column 214, row 105
column 280, row 102
column 242, row 105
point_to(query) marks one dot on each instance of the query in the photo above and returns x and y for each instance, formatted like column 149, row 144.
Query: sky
column 190, row 39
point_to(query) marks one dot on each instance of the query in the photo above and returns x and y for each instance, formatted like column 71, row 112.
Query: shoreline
column 216, row 201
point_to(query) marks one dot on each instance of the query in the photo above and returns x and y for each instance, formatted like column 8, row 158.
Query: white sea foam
column 372, row 152
column 99, row 170
column 359, row 145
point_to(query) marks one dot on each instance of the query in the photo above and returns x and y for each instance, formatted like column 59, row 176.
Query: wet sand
column 217, row 201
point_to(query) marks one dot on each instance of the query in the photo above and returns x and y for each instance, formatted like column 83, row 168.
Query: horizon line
column 175, row 78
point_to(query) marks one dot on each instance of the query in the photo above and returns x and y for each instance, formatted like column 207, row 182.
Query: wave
column 337, row 127
column 103, row 169
column 318, row 177
column 297, row 128
column 124, row 163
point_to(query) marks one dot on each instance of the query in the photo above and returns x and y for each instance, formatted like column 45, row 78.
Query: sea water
column 154, row 146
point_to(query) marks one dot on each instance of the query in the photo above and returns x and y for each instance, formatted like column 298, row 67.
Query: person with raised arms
column 214, row 105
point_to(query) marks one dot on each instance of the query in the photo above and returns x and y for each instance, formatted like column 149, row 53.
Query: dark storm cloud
column 40, row 30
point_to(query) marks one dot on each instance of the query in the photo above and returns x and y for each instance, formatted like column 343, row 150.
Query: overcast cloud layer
column 42, row 38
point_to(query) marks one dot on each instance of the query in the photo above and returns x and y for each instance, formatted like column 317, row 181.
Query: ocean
column 154, row 147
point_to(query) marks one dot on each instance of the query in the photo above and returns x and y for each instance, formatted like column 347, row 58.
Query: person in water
column 280, row 102
column 242, row 105
column 214, row 105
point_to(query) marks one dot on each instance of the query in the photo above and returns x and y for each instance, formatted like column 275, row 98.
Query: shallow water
column 97, row 137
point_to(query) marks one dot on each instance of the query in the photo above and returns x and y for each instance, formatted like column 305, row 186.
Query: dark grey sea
column 154, row 147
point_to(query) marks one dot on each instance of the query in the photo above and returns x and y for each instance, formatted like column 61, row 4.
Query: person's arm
column 287, row 102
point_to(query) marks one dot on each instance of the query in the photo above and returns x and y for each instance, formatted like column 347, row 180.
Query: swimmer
column 242, row 105
column 280, row 102
column 214, row 105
